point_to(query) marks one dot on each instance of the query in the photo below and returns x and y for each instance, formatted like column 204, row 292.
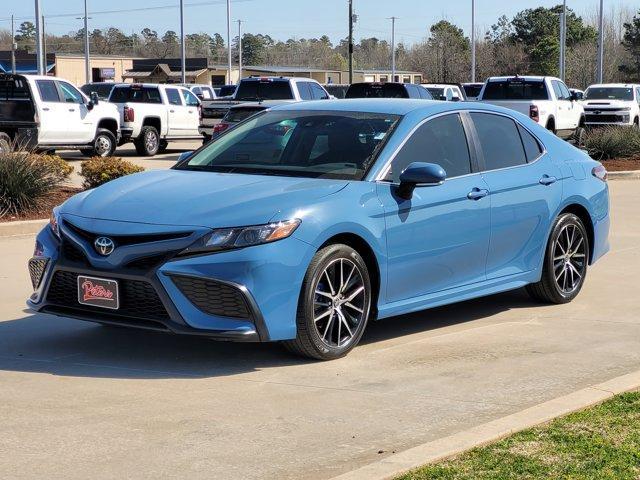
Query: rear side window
column 48, row 90
column 377, row 90
column 515, row 89
column 135, row 94
column 532, row 148
column 500, row 141
column 442, row 141
column 173, row 96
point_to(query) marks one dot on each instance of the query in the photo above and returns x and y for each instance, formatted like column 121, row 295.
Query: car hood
column 606, row 103
column 204, row 199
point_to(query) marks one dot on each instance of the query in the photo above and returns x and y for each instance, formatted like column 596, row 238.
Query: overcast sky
column 283, row 19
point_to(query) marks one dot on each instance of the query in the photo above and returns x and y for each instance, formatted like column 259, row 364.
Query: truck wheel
column 163, row 146
column 5, row 143
column 104, row 144
column 148, row 143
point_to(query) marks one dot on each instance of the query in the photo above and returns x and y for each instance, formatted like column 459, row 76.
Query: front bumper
column 613, row 117
column 243, row 295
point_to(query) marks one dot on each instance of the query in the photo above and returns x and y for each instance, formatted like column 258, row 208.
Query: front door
column 438, row 239
column 176, row 112
column 81, row 128
column 191, row 114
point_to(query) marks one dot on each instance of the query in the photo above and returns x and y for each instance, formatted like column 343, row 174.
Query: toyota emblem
column 104, row 246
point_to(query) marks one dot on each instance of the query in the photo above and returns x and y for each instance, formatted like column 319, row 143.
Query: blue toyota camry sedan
column 306, row 222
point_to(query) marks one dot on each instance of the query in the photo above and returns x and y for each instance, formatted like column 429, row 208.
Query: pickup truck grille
column 590, row 118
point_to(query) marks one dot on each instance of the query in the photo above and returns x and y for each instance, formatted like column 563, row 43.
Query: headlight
column 239, row 237
column 53, row 222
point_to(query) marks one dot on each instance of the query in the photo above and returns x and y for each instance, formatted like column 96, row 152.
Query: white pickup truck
column 49, row 113
column 612, row 104
column 152, row 115
column 546, row 100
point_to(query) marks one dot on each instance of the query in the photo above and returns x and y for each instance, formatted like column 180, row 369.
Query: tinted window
column 313, row 144
column 269, row 89
column 48, row 90
column 173, row 96
column 424, row 93
column 70, row 93
column 531, row 146
column 561, row 93
column 515, row 89
column 236, row 115
column 318, row 92
column 566, row 94
column 227, row 90
column 442, row 141
column 102, row 89
column 608, row 93
column 500, row 141
column 305, row 91
column 377, row 90
column 135, row 94
column 14, row 89
column 189, row 98
column 472, row 90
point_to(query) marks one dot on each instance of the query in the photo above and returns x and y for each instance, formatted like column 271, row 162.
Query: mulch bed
column 53, row 199
column 622, row 164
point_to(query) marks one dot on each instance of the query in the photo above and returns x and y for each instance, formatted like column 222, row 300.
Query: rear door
column 525, row 192
column 176, row 112
column 53, row 113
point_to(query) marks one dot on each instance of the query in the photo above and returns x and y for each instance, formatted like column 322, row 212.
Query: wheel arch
column 153, row 122
column 582, row 213
column 110, row 124
column 551, row 121
column 360, row 245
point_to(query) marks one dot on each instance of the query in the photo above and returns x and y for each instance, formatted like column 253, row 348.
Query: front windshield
column 312, row 144
column 609, row 93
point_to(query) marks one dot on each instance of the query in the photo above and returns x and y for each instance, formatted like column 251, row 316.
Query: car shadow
column 66, row 347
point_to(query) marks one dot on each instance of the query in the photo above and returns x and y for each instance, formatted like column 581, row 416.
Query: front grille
column 213, row 298
column 72, row 253
column 138, row 299
column 37, row 267
column 603, row 118
column 148, row 263
column 122, row 240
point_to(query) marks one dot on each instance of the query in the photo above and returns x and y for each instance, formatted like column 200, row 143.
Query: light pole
column 393, row 48
column 563, row 39
column 87, row 61
column 229, row 40
column 39, row 38
column 183, row 47
column 350, row 41
column 13, row 47
column 239, row 50
column 601, row 43
column 473, row 41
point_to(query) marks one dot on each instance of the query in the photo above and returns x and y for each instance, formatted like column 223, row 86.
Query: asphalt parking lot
column 79, row 400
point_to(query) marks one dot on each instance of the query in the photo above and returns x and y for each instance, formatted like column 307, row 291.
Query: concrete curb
column 395, row 465
column 625, row 175
column 26, row 227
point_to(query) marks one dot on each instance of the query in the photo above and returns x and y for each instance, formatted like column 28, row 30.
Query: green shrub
column 98, row 171
column 58, row 166
column 24, row 180
column 613, row 142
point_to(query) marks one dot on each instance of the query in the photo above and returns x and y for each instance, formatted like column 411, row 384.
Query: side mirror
column 575, row 96
column 95, row 99
column 420, row 174
column 185, row 156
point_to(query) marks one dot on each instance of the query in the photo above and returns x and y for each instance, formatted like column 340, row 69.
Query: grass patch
column 613, row 142
column 599, row 443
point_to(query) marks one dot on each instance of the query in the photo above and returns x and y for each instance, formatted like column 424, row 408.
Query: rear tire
column 148, row 143
column 565, row 264
column 579, row 137
column 334, row 304
column 5, row 143
column 163, row 146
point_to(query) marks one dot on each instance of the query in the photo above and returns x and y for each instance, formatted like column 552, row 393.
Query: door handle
column 172, row 111
column 477, row 193
column 46, row 109
column 548, row 180
column 72, row 109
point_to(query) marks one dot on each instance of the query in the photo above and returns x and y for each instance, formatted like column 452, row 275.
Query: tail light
column 534, row 113
column 220, row 127
column 600, row 173
column 129, row 114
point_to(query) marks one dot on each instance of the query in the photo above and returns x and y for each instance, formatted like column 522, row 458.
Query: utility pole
column 601, row 43
column 87, row 61
column 473, row 41
column 239, row 50
column 563, row 39
column 44, row 46
column 393, row 48
column 13, row 47
column 350, row 41
column 229, row 40
column 183, row 47
column 39, row 38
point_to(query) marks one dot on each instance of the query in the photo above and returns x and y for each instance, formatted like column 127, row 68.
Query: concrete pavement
column 80, row 400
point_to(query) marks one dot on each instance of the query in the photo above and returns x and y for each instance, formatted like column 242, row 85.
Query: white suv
column 49, row 113
column 152, row 115
column 612, row 104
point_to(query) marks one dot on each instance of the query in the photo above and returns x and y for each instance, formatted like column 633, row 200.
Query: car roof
column 439, row 85
column 538, row 78
column 614, row 85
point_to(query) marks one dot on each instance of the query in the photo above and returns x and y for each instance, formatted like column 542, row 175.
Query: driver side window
column 441, row 141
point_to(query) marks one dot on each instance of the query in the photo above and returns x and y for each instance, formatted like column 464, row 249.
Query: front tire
column 334, row 304
column 565, row 264
column 5, row 143
column 148, row 143
column 579, row 137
